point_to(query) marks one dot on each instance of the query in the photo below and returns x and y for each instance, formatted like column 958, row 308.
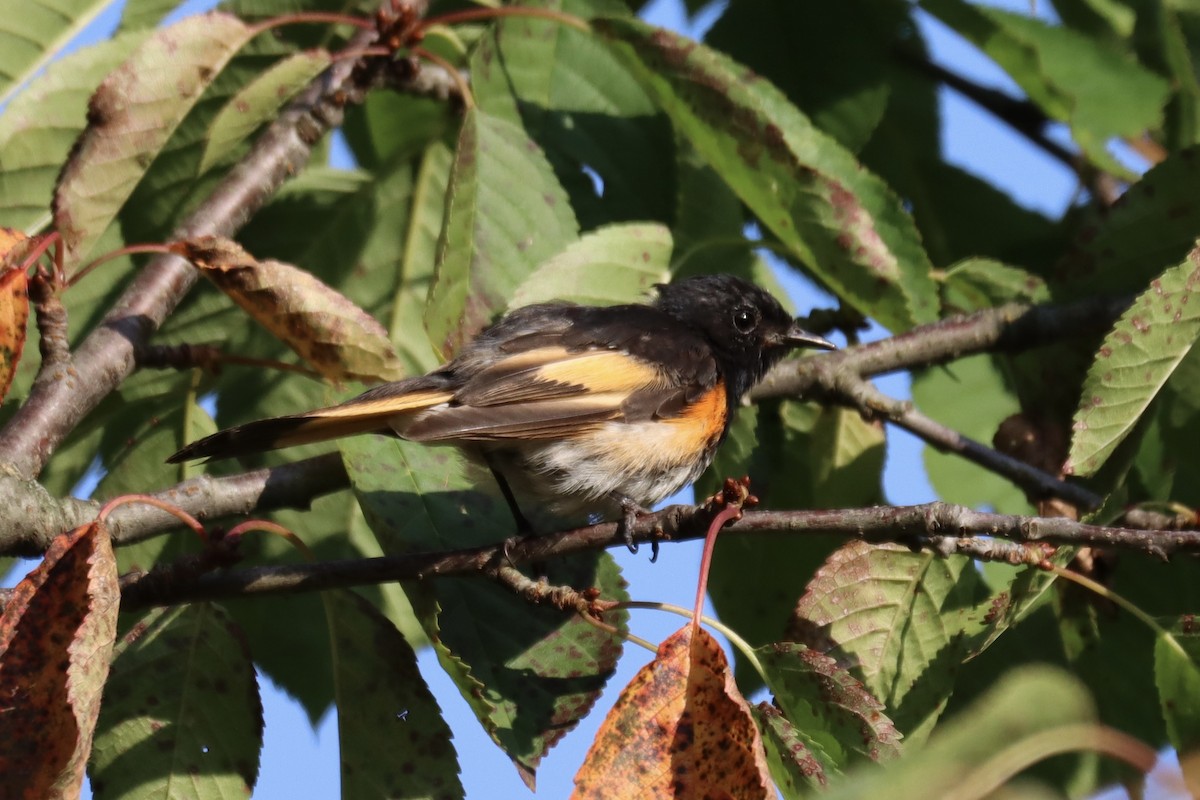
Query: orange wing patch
column 383, row 406
column 602, row 371
column 549, row 373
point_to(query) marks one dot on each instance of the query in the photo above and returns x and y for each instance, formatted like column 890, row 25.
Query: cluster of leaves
column 588, row 164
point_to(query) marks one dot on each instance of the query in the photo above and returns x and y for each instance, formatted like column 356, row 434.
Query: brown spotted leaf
column 132, row 116
column 793, row 766
column 331, row 333
column 181, row 710
column 835, row 715
column 842, row 221
column 661, row 737
column 56, row 639
column 896, row 620
column 1137, row 357
column 14, row 311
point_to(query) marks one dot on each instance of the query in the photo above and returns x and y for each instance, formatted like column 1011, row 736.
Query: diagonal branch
column 63, row 395
column 841, row 377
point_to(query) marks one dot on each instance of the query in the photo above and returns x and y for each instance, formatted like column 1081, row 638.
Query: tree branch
column 941, row 527
column 40, row 517
column 63, row 395
column 841, row 377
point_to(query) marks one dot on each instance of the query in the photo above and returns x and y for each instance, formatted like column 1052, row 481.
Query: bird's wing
column 542, row 393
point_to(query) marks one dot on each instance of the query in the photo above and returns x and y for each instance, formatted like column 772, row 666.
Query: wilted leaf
column 843, row 222
column 131, row 117
column 614, row 264
column 56, row 638
column 679, row 729
column 14, row 311
column 506, row 214
column 328, row 331
column 259, row 101
column 183, row 697
column 1137, row 357
column 394, row 741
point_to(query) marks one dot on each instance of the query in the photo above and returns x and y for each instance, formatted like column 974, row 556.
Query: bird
column 598, row 409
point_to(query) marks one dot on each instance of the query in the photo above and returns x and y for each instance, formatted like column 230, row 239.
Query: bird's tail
column 376, row 411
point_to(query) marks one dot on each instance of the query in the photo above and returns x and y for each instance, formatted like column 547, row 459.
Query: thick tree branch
column 941, row 527
column 63, row 395
column 38, row 517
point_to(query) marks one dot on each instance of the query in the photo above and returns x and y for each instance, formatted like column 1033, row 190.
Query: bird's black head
column 747, row 328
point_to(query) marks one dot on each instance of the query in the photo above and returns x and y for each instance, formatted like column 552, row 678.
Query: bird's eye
column 745, row 320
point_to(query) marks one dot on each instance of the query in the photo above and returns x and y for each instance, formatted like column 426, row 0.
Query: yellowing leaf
column 56, row 638
column 14, row 312
column 339, row 339
column 679, row 729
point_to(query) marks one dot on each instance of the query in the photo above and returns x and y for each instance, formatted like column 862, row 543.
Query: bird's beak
column 795, row 336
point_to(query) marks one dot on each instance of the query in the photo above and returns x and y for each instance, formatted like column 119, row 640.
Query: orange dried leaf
column 14, row 311
column 326, row 329
column 56, row 639
column 680, row 729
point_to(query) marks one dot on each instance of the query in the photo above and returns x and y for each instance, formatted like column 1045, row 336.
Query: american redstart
column 576, row 408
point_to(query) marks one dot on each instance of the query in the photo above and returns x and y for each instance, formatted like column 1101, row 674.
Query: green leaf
column 182, row 696
column 35, row 32
column 613, row 264
column 789, row 43
column 1151, row 227
column 390, row 126
column 1177, row 674
column 1137, row 357
column 506, row 214
column 419, row 254
column 132, row 116
column 792, row 765
column 836, row 716
column 844, row 223
column 896, row 620
column 979, row 283
column 1025, row 702
column 1071, row 77
column 609, row 146
column 259, row 101
column 938, row 391
column 528, row 673
column 393, row 739
column 138, row 15
column 40, row 125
